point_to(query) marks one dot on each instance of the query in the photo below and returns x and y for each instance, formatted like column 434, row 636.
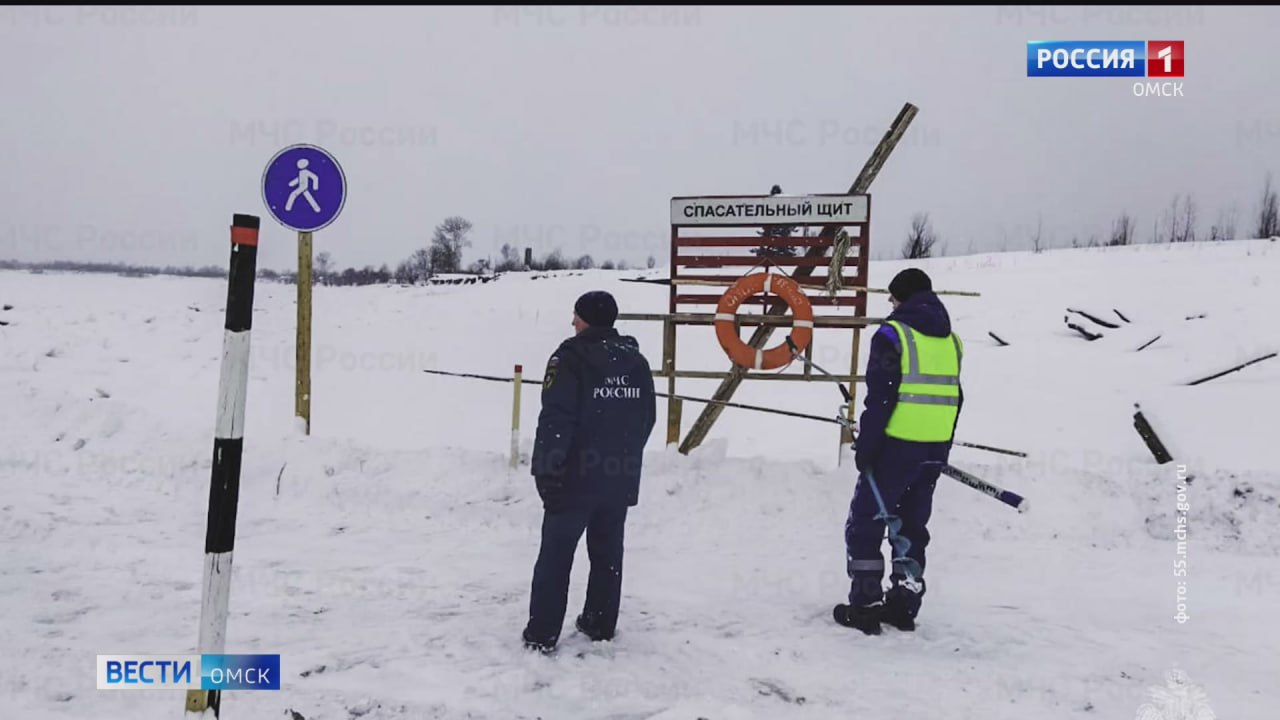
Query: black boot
column 902, row 604
column 866, row 619
column 546, row 646
column 896, row 615
column 587, row 626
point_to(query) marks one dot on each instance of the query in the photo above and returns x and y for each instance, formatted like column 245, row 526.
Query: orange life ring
column 777, row 356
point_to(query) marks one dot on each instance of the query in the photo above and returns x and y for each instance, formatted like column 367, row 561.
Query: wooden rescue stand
column 716, row 240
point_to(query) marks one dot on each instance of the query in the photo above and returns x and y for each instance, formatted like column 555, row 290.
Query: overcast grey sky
column 134, row 134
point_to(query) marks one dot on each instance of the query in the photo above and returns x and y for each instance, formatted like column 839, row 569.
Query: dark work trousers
column 906, row 474
column 561, row 532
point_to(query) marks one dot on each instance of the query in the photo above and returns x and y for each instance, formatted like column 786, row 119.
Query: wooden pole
column 302, row 379
column 669, row 370
column 864, row 268
column 762, row 334
column 515, row 416
column 1231, row 370
column 674, row 406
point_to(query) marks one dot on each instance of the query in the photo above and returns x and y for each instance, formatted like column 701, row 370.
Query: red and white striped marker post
column 228, row 443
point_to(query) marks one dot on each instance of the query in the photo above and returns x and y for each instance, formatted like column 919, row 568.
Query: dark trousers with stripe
column 561, row 532
column 906, row 474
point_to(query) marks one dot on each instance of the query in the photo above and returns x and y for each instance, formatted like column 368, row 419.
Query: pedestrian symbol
column 304, row 188
column 304, row 181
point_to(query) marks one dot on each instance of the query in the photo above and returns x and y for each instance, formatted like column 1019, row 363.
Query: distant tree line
column 209, row 271
column 1179, row 223
column 442, row 255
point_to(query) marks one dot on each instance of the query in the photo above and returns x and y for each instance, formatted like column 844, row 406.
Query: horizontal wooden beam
column 755, row 241
column 829, row 321
column 710, row 281
column 729, row 280
column 720, row 375
column 815, row 300
column 738, row 260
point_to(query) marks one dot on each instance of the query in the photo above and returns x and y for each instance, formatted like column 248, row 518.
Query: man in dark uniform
column 904, row 439
column 598, row 409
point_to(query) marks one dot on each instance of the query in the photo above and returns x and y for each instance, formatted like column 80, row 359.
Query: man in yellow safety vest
column 904, row 439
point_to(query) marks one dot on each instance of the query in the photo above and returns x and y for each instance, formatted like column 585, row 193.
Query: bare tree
column 447, row 242
column 773, row 232
column 1268, row 212
column 1225, row 227
column 584, row 262
column 651, row 262
column 509, row 259
column 1174, row 217
column 420, row 265
column 1188, row 226
column 920, row 240
column 554, row 261
column 1037, row 240
column 1122, row 231
column 321, row 267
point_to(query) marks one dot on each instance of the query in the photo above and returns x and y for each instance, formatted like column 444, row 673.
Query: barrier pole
column 228, row 444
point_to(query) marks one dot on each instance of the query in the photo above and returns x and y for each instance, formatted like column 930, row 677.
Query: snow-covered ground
column 387, row 556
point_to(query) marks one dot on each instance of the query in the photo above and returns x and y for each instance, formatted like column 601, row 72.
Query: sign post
column 305, row 189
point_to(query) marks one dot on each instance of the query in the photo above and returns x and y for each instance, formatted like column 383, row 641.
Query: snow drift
column 387, row 556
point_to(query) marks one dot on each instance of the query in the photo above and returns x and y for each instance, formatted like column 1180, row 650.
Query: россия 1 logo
column 1110, row 58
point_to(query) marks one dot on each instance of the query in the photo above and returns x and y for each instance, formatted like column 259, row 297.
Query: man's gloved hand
column 863, row 459
column 551, row 490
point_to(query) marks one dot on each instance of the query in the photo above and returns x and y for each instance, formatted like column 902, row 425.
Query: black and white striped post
column 228, row 442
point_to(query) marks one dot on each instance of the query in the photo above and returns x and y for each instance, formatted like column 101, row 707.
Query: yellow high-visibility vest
column 929, row 396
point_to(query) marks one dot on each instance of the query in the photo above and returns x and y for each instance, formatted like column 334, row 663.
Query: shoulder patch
column 549, row 377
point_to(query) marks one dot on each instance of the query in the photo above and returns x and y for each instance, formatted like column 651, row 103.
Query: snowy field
column 387, row 556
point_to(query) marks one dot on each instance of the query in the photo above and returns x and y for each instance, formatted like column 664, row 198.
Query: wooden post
column 864, row 261
column 674, row 406
column 675, row 409
column 515, row 416
column 669, row 369
column 302, row 379
column 860, row 186
column 846, row 437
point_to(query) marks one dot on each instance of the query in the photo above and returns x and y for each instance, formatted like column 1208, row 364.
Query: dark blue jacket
column 598, row 409
column 925, row 314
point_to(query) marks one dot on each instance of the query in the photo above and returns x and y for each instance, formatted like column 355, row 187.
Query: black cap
column 908, row 283
column 597, row 308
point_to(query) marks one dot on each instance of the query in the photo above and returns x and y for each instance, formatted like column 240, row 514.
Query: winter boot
column 546, row 646
column 586, row 625
column 902, row 604
column 866, row 619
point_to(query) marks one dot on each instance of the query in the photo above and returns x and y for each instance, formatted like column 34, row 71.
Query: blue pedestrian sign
column 304, row 187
